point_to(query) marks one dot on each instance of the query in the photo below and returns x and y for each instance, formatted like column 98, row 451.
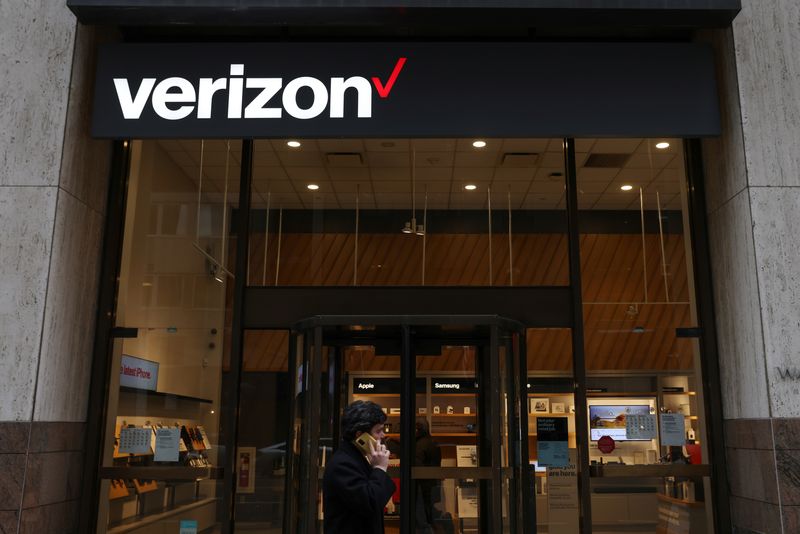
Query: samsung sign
column 395, row 90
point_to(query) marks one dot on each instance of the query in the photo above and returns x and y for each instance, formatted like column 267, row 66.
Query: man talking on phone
column 355, row 487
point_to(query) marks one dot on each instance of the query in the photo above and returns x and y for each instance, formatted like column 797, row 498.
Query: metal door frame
column 490, row 440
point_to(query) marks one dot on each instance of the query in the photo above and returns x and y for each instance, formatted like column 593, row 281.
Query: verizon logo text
column 175, row 98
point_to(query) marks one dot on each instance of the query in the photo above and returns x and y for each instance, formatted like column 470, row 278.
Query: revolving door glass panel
column 450, row 399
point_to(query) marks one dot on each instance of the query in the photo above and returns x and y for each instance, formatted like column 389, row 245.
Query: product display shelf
column 675, row 500
column 133, row 524
column 678, row 516
column 622, row 394
column 553, row 397
column 149, row 492
column 178, row 473
column 650, row 471
column 678, row 394
column 161, row 395
column 394, row 435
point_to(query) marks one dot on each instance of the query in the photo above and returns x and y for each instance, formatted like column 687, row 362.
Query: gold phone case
column 363, row 441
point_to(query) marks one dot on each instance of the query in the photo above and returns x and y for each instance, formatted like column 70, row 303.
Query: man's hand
column 378, row 456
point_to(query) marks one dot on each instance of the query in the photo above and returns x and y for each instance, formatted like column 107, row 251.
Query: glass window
column 162, row 453
column 409, row 212
column 262, row 431
column 646, row 420
column 551, row 401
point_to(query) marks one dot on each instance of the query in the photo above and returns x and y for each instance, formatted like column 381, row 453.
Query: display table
column 676, row 516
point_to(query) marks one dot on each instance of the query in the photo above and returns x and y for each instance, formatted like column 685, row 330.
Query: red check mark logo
column 383, row 91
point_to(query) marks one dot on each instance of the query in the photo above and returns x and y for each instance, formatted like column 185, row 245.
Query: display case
column 163, row 464
column 448, row 404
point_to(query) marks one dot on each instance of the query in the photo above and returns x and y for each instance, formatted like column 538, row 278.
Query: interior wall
column 612, row 279
column 166, row 289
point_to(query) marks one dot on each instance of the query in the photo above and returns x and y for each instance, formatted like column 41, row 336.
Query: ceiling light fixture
column 470, row 187
column 293, row 144
column 313, row 187
column 407, row 228
column 662, row 145
column 626, row 187
column 479, row 143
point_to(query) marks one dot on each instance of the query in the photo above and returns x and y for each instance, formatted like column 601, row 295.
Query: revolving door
column 452, row 389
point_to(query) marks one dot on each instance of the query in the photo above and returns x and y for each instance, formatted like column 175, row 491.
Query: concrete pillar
column 753, row 183
column 53, row 183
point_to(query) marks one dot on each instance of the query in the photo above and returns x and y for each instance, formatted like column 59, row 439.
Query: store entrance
column 450, row 388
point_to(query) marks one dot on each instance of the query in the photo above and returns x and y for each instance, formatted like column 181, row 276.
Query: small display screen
column 609, row 420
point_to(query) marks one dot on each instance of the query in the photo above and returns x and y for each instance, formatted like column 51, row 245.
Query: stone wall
column 52, row 200
column 753, row 202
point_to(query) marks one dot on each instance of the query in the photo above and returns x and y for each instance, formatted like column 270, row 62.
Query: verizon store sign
column 138, row 373
column 264, row 90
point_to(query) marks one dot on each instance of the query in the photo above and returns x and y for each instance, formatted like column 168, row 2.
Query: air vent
column 344, row 159
column 519, row 159
column 606, row 161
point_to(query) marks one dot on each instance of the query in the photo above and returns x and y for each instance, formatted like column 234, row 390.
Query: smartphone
column 363, row 441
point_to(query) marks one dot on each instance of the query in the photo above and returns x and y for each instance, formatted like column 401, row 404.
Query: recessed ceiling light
column 479, row 144
column 662, row 145
column 313, row 187
column 626, row 187
column 293, row 144
column 470, row 187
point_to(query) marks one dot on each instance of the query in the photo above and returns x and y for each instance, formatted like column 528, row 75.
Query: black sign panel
column 552, row 429
column 243, row 5
column 284, row 90
column 368, row 386
column 454, row 385
column 510, row 14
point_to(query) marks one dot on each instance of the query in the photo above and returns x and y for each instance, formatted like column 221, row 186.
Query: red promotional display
column 606, row 444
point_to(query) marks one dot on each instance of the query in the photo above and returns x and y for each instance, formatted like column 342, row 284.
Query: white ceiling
column 442, row 167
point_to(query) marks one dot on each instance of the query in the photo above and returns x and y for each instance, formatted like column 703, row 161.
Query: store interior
column 400, row 212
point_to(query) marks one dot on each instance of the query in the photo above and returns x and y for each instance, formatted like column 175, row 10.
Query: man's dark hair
column 360, row 416
column 421, row 427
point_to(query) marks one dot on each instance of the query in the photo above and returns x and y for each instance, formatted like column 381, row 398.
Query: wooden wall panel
column 626, row 327
column 396, row 259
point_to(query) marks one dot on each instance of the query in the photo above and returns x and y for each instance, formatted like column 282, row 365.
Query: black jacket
column 354, row 493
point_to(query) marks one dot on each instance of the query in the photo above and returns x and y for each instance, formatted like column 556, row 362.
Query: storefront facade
column 490, row 230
